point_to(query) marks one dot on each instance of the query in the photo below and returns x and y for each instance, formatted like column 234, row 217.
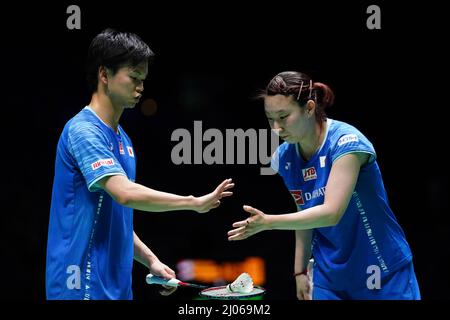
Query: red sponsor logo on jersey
column 298, row 197
column 309, row 174
column 130, row 151
column 102, row 162
column 121, row 151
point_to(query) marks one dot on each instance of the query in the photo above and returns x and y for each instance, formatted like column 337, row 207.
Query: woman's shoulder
column 345, row 138
column 340, row 131
column 337, row 126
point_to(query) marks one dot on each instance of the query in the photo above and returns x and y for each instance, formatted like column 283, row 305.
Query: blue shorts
column 400, row 285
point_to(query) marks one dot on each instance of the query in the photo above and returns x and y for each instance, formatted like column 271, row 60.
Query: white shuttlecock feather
column 242, row 284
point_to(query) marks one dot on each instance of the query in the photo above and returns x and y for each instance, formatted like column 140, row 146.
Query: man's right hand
column 212, row 200
column 158, row 268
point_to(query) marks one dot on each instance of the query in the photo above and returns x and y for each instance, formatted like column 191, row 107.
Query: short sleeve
column 275, row 161
column 279, row 159
column 352, row 142
column 91, row 150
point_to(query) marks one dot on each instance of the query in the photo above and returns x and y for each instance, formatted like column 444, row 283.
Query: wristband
column 305, row 272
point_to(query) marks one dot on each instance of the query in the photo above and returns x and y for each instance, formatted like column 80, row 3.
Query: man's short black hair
column 114, row 49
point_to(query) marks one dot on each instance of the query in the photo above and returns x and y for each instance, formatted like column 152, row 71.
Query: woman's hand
column 257, row 222
column 303, row 283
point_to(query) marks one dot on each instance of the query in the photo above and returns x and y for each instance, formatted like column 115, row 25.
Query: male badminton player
column 91, row 242
column 359, row 249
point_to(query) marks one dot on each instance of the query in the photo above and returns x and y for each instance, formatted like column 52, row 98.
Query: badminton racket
column 152, row 279
column 223, row 293
column 220, row 292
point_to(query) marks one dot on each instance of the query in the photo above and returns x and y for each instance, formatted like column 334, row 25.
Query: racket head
column 222, row 293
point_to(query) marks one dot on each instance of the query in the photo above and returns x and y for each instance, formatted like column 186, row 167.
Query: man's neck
column 105, row 110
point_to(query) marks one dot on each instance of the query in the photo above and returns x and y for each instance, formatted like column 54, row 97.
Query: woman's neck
column 307, row 150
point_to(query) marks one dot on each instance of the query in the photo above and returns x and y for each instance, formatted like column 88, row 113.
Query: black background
column 387, row 83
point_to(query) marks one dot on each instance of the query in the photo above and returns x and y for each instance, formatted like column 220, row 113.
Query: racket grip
column 152, row 279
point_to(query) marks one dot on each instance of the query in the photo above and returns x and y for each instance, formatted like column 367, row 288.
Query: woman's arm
column 338, row 192
column 302, row 250
column 302, row 257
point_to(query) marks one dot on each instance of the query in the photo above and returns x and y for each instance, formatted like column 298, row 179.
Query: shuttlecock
column 243, row 284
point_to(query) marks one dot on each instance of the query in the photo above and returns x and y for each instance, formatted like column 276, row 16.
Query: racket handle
column 152, row 279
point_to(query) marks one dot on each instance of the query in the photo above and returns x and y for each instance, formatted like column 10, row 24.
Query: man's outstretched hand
column 212, row 200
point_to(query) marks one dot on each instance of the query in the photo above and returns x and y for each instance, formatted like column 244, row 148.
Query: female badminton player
column 344, row 218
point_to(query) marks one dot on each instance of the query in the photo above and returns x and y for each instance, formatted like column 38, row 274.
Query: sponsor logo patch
column 297, row 194
column 102, row 162
column 315, row 194
column 130, row 151
column 309, row 174
column 347, row 139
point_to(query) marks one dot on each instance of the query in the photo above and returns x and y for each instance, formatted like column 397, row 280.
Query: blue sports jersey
column 90, row 236
column 368, row 232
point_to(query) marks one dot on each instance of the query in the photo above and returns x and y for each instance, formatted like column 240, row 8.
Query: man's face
column 126, row 86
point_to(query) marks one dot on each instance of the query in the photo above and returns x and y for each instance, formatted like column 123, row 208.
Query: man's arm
column 137, row 196
column 144, row 255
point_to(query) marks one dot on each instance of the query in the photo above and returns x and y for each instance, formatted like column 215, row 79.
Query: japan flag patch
column 130, row 151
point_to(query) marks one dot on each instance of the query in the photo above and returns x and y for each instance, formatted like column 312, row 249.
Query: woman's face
column 286, row 117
